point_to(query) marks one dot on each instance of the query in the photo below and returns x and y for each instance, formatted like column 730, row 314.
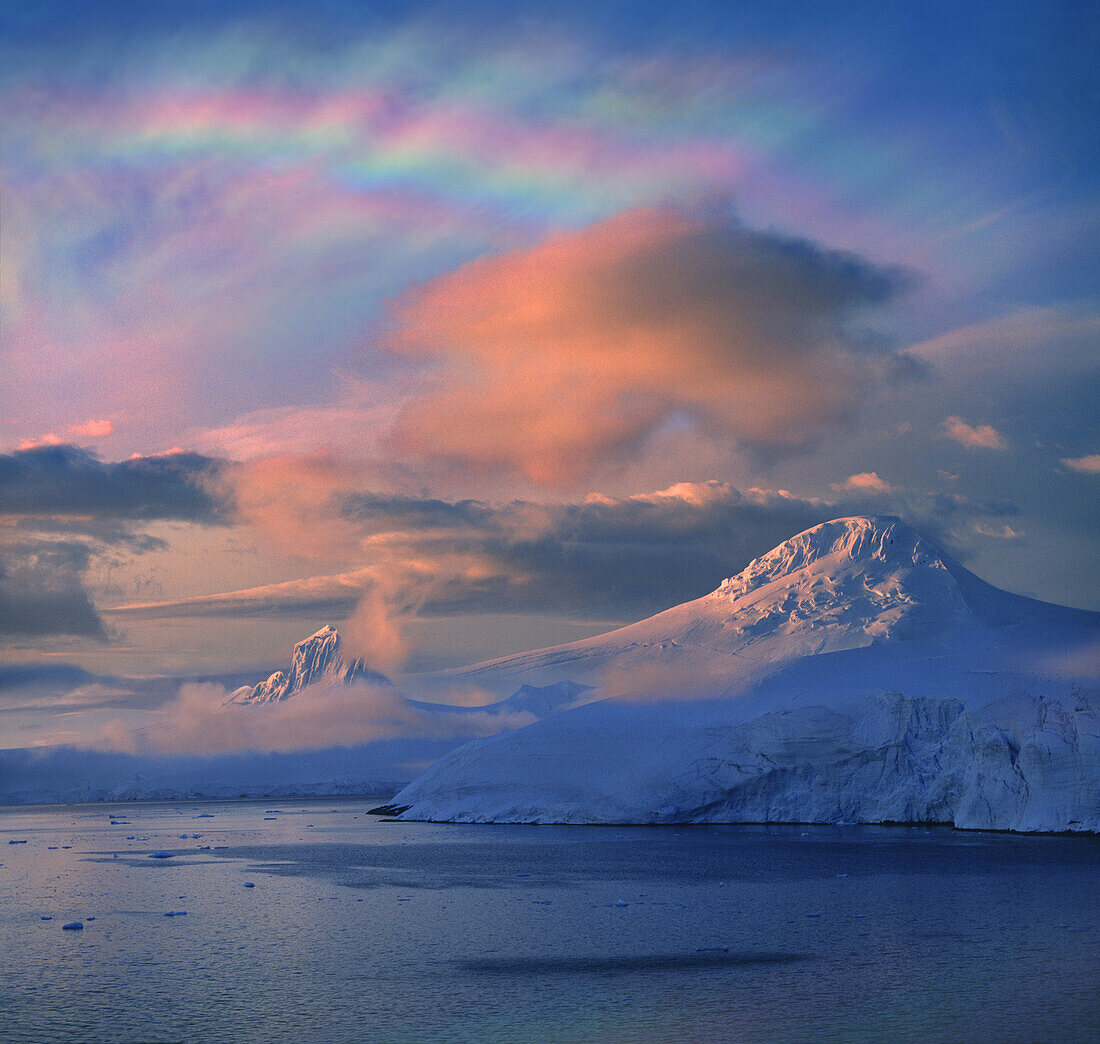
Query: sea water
column 360, row 929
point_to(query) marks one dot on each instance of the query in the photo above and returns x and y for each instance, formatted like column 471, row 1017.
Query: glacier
column 854, row 674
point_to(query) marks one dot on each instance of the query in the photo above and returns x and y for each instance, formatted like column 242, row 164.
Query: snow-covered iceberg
column 853, row 674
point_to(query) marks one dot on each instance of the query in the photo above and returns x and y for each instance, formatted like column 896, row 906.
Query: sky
column 480, row 327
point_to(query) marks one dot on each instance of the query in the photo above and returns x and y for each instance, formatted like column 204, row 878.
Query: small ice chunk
column 841, row 875
column 17, row 842
column 89, row 918
column 621, row 902
column 160, row 855
column 131, row 837
column 45, row 917
column 176, row 913
column 74, row 926
column 249, row 884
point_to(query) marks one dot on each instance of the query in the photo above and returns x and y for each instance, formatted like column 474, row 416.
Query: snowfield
column 853, row 674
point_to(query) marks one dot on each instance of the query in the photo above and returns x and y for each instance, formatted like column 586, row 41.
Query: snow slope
column 853, row 674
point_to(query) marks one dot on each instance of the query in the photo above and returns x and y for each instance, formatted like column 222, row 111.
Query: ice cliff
column 853, row 674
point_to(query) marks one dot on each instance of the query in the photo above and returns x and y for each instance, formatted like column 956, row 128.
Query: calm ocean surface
column 358, row 929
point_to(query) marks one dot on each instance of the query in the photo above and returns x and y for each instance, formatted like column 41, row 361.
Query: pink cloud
column 984, row 436
column 864, row 482
column 92, row 429
column 553, row 360
column 1088, row 465
column 49, row 439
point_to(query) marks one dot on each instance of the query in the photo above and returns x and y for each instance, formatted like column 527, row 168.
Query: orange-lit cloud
column 1089, row 465
column 92, row 429
column 981, row 436
column 555, row 360
column 864, row 482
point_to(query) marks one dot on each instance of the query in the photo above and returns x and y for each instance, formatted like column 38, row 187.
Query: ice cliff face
column 853, row 674
column 316, row 659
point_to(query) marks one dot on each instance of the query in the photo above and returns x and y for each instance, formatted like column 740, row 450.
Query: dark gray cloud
column 61, row 506
column 618, row 557
column 42, row 590
column 69, row 481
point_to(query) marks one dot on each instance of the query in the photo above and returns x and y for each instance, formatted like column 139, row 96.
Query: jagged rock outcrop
column 318, row 658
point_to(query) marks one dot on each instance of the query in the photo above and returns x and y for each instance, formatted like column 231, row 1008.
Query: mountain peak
column 844, row 542
column 869, row 574
column 316, row 658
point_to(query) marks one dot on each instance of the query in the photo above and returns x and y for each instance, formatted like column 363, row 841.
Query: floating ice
column 17, row 842
column 161, row 855
column 176, row 913
column 44, row 917
column 621, row 902
column 249, row 884
column 73, row 926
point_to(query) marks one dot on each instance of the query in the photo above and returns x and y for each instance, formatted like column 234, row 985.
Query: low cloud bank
column 197, row 722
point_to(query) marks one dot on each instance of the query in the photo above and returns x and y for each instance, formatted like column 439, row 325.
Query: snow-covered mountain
column 318, row 658
column 854, row 673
